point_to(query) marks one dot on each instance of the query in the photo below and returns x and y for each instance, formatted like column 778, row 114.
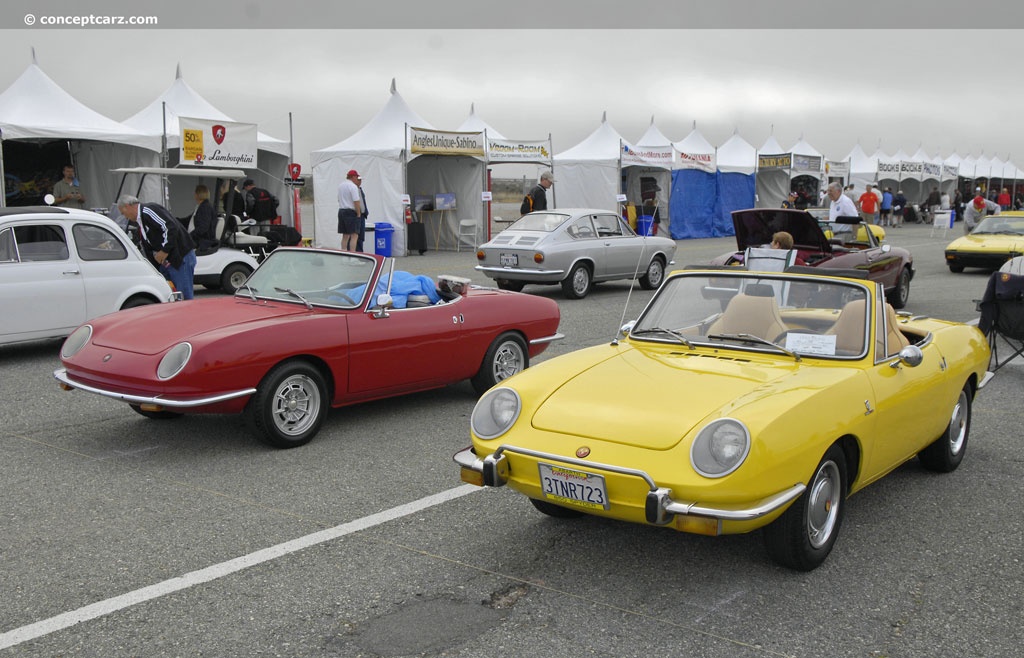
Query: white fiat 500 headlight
column 173, row 362
column 495, row 413
column 720, row 448
column 78, row 339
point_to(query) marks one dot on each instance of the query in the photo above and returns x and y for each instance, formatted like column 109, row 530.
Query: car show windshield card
column 571, row 487
column 811, row 344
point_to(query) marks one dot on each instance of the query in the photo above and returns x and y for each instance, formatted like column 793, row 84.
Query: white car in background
column 61, row 267
column 227, row 268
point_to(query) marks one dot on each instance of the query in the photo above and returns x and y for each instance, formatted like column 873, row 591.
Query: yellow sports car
column 995, row 240
column 737, row 400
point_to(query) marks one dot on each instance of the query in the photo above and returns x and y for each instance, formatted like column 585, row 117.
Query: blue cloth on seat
column 405, row 284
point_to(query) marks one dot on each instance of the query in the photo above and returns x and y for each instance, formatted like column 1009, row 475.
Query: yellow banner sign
column 192, row 145
column 437, row 142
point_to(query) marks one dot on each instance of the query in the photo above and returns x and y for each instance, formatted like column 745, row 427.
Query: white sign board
column 206, row 142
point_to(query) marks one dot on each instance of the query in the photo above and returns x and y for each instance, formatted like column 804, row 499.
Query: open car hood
column 755, row 227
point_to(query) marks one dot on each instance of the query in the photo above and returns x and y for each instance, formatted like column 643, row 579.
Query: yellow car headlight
column 720, row 448
column 174, row 361
column 78, row 339
column 495, row 413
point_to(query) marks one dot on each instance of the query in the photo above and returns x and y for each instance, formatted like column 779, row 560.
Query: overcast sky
column 933, row 83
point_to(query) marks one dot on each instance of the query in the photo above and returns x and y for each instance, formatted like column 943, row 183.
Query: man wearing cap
column 539, row 191
column 350, row 207
column 790, row 201
column 977, row 210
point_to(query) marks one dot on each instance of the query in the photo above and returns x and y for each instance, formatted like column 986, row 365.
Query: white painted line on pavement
column 92, row 611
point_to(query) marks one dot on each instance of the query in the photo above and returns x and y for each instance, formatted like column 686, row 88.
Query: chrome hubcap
column 296, row 405
column 823, row 504
column 958, row 425
column 507, row 361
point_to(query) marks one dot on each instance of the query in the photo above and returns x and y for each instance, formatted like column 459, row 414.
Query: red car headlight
column 78, row 339
column 174, row 361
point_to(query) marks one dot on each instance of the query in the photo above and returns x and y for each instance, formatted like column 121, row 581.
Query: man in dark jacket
column 539, row 191
column 165, row 238
column 260, row 204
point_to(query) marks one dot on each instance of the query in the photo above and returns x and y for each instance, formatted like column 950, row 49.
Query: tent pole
column 3, row 176
column 551, row 156
column 291, row 159
column 163, row 154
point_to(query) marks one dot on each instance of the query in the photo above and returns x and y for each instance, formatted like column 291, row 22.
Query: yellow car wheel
column 803, row 536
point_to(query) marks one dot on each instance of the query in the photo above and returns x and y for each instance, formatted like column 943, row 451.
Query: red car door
column 409, row 349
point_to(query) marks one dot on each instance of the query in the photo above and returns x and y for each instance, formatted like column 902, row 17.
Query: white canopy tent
column 781, row 170
column 863, row 167
column 588, row 174
column 655, row 182
column 737, row 155
column 377, row 152
column 35, row 109
column 181, row 100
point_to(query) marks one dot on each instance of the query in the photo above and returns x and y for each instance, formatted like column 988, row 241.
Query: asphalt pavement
column 123, row 536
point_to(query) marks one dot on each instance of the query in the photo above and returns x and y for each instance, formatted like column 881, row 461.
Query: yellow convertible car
column 995, row 240
column 738, row 400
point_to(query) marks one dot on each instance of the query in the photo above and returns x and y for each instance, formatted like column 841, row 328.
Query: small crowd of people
column 171, row 242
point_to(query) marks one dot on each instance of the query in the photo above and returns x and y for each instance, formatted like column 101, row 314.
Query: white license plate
column 509, row 260
column 571, row 487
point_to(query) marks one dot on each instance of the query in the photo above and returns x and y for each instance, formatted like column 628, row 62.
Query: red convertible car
column 310, row 329
column 845, row 244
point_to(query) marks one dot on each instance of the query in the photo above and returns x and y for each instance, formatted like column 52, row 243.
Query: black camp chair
column 1002, row 315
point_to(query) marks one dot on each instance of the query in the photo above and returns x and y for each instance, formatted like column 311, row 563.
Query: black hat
column 247, row 182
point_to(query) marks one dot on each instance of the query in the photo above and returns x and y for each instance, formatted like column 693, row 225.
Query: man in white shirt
column 350, row 207
column 841, row 205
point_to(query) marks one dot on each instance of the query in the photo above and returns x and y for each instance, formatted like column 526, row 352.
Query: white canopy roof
column 474, row 123
column 862, row 165
column 183, row 101
column 737, row 155
column 36, row 107
column 602, row 144
column 384, row 134
column 587, row 175
column 771, row 146
column 653, row 137
column 694, row 143
column 803, row 148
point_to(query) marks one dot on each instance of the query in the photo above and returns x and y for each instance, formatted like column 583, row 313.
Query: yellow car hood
column 988, row 242
column 653, row 397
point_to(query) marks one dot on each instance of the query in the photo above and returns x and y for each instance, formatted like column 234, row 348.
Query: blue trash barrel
column 382, row 238
column 644, row 224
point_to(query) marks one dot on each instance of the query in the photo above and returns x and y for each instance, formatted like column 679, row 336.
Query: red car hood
column 158, row 327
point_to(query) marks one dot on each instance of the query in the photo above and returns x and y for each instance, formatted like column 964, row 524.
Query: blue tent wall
column 735, row 192
column 692, row 204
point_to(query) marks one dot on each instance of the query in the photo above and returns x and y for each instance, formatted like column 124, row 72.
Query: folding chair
column 1002, row 315
column 765, row 259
